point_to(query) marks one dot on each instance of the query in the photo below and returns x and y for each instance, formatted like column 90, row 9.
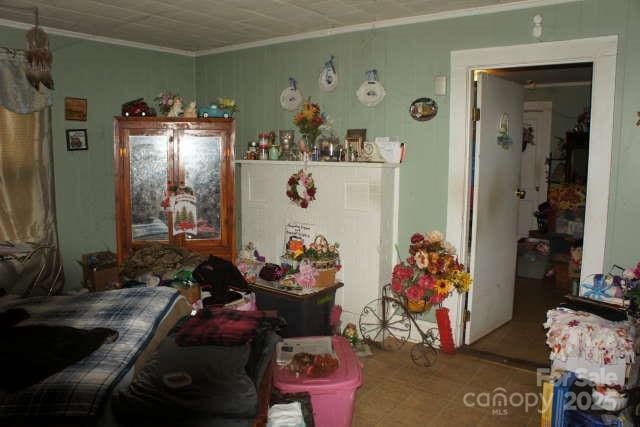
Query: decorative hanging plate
column 423, row 109
column 291, row 99
column 371, row 93
column 328, row 78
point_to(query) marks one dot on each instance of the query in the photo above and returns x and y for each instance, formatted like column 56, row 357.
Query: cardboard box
column 561, row 273
column 100, row 271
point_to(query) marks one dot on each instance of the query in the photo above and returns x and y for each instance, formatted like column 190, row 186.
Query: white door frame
column 544, row 110
column 602, row 52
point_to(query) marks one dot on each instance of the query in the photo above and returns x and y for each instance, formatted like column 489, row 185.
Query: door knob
column 520, row 193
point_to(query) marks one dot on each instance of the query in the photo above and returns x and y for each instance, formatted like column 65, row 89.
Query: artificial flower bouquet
column 228, row 104
column 309, row 119
column 567, row 196
column 165, row 101
column 430, row 273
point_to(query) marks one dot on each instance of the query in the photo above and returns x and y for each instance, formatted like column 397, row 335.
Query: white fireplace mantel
column 356, row 205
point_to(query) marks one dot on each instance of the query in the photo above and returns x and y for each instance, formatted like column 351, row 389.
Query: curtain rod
column 11, row 50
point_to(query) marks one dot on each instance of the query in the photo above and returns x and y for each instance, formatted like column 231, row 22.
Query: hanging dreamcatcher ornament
column 291, row 97
column 371, row 91
column 328, row 79
column 301, row 189
column 38, row 56
column 504, row 139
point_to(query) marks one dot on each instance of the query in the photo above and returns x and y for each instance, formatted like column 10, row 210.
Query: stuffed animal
column 306, row 277
column 351, row 334
column 176, row 108
column 191, row 110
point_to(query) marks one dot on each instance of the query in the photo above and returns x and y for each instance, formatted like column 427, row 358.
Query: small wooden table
column 306, row 313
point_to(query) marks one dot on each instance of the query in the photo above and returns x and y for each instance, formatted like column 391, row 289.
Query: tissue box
column 603, row 287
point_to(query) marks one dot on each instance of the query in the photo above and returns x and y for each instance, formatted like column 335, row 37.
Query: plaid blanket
column 213, row 326
column 81, row 389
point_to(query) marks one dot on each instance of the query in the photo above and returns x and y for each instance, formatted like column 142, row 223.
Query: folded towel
column 286, row 415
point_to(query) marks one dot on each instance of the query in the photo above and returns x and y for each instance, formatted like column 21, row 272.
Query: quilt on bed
column 82, row 388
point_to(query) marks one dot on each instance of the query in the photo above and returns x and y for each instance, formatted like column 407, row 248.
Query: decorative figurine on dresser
column 175, row 184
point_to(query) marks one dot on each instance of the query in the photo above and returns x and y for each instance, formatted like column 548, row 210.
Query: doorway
column 539, row 146
column 601, row 52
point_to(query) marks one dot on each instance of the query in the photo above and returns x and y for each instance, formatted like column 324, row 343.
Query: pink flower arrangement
column 431, row 272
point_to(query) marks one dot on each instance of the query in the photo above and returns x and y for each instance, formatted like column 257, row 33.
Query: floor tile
column 397, row 393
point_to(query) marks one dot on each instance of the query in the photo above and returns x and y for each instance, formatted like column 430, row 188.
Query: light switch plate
column 440, row 85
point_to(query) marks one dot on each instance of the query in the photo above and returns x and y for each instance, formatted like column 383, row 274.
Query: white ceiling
column 199, row 25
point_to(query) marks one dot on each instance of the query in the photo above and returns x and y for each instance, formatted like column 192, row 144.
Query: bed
column 140, row 315
column 79, row 393
column 85, row 392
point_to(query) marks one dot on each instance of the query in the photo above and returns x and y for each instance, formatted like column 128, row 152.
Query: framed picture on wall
column 77, row 140
column 75, row 109
column 355, row 146
column 357, row 133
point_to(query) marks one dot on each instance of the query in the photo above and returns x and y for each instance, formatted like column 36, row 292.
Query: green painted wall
column 107, row 76
column 408, row 58
column 568, row 102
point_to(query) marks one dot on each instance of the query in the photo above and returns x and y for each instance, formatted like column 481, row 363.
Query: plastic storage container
column 532, row 265
column 333, row 397
column 306, row 315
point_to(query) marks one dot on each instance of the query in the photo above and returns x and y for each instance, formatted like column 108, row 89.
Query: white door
column 533, row 169
column 495, row 213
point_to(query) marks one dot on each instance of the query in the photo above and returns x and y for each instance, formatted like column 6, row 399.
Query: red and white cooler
column 333, row 397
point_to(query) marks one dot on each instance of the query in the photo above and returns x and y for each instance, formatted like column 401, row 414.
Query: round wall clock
column 423, row 109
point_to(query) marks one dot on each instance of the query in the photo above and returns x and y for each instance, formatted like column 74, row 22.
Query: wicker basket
column 327, row 268
column 417, row 306
column 326, row 278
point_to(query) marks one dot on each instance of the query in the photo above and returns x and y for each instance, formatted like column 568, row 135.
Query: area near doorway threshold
column 601, row 51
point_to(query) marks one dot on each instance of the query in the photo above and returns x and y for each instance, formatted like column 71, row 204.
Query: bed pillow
column 220, row 327
column 199, row 381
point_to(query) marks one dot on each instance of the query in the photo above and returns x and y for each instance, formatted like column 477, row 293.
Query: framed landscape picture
column 77, row 140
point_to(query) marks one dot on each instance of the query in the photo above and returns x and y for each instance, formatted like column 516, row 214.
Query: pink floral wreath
column 309, row 193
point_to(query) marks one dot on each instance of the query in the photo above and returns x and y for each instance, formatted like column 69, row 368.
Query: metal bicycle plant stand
column 386, row 323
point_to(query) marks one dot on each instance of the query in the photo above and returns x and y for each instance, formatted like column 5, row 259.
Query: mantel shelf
column 316, row 164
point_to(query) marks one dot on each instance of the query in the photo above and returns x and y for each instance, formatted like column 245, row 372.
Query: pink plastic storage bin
column 333, row 398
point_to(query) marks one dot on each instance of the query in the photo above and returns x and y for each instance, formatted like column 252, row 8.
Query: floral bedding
column 587, row 336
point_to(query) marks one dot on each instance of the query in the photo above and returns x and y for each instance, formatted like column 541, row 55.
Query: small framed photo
column 357, row 133
column 355, row 145
column 75, row 109
column 77, row 140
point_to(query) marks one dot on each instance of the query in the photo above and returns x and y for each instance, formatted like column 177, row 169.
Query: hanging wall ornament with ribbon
column 291, row 97
column 38, row 56
column 328, row 79
column 371, row 92
column 504, row 139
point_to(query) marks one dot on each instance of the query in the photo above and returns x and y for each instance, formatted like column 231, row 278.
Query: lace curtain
column 16, row 93
column 27, row 202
